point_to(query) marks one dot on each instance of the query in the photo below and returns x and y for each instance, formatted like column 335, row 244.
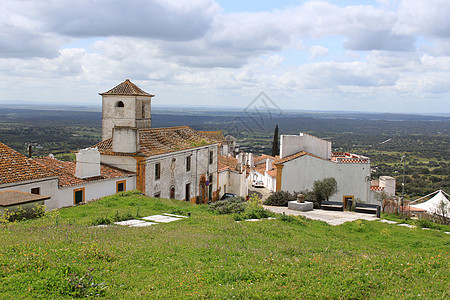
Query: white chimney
column 125, row 139
column 269, row 165
column 88, row 163
column 251, row 162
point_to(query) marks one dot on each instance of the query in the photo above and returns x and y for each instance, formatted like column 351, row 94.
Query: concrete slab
column 331, row 217
column 161, row 219
column 407, row 225
column 143, row 224
column 176, row 216
column 129, row 222
column 388, row 221
column 446, row 232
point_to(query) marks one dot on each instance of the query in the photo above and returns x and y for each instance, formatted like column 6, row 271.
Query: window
column 121, row 186
column 188, row 164
column 36, row 191
column 157, row 171
column 78, row 196
column 211, row 157
column 172, row 192
column 188, row 192
column 120, row 104
column 158, row 195
column 143, row 111
column 210, row 187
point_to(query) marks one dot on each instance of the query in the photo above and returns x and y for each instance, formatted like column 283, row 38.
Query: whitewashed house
column 25, row 182
column 232, row 176
column 176, row 162
column 86, row 179
column 305, row 159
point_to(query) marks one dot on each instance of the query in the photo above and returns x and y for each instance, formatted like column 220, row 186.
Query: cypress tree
column 275, row 145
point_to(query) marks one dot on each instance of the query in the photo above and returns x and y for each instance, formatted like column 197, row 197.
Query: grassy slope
column 211, row 256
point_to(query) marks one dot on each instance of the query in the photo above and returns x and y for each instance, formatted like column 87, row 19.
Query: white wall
column 127, row 163
column 235, row 182
column 352, row 179
column 291, row 144
column 175, row 174
column 48, row 187
column 94, row 190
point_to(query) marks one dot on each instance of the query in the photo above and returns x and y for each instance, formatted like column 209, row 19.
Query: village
column 195, row 166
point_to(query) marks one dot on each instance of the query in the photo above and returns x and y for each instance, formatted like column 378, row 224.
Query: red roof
column 16, row 167
column 127, row 88
column 161, row 140
column 66, row 170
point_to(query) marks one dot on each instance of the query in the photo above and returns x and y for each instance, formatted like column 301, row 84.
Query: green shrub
column 21, row 214
column 280, row 198
column 228, row 206
column 102, row 220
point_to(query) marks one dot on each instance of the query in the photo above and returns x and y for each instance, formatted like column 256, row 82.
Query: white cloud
column 318, row 51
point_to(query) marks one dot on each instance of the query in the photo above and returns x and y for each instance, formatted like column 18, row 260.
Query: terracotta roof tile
column 66, row 170
column 229, row 161
column 16, row 167
column 8, row 198
column 290, row 157
column 272, row 173
column 161, row 140
column 213, row 135
column 127, row 88
column 257, row 159
column 260, row 168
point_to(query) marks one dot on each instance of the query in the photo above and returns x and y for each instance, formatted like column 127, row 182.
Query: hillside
column 211, row 256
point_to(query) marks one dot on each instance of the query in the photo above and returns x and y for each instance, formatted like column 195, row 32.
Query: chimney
column 269, row 165
column 88, row 163
column 125, row 139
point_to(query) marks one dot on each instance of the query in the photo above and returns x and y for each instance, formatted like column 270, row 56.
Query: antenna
column 30, row 147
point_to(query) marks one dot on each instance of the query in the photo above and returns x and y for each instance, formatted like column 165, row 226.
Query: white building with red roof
column 305, row 159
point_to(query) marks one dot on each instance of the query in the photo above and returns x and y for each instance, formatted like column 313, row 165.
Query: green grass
column 212, row 256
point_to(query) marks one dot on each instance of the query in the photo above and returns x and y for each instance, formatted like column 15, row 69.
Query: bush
column 280, row 198
column 228, row 206
column 21, row 213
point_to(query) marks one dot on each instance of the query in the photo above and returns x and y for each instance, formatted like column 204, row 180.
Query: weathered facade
column 175, row 162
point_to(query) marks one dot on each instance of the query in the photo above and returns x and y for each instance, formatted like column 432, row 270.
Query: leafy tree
column 275, row 144
column 324, row 189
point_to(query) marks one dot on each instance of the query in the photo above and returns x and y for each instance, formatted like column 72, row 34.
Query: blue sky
column 379, row 56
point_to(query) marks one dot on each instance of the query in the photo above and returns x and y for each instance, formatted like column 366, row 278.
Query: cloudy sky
column 346, row 55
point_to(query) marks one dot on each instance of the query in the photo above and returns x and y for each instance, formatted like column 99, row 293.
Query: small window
column 211, row 157
column 172, row 192
column 120, row 104
column 143, row 111
column 188, row 164
column 36, row 191
column 158, row 195
column 188, row 192
column 121, row 186
column 157, row 171
column 78, row 196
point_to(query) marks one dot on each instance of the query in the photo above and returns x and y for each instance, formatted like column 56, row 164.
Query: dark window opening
column 157, row 195
column 120, row 104
column 210, row 188
column 36, row 191
column 188, row 164
column 211, row 157
column 120, row 187
column 143, row 111
column 157, row 171
column 79, row 196
column 188, row 192
column 172, row 192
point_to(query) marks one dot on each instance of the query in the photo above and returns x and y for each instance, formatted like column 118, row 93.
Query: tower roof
column 127, row 88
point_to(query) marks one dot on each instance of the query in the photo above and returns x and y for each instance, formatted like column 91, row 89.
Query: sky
column 342, row 55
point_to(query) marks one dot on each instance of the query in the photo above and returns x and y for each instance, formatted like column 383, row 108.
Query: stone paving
column 151, row 220
column 329, row 216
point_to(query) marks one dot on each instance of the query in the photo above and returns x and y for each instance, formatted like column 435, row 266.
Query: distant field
column 211, row 256
column 385, row 138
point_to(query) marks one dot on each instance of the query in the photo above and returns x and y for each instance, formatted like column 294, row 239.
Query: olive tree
column 325, row 188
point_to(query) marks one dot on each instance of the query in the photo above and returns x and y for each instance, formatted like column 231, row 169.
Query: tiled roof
column 349, row 158
column 15, row 167
column 272, row 173
column 8, row 198
column 213, row 135
column 228, row 160
column 161, row 140
column 66, row 170
column 290, row 157
column 258, row 159
column 260, row 168
column 126, row 88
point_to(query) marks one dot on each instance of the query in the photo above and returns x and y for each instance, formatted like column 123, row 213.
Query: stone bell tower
column 125, row 105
